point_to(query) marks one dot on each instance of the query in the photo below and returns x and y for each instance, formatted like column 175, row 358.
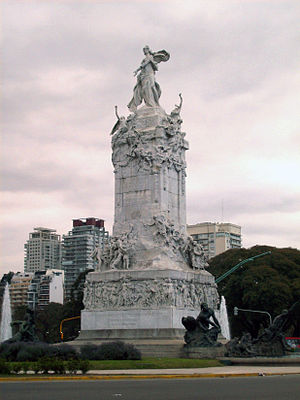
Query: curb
column 139, row 377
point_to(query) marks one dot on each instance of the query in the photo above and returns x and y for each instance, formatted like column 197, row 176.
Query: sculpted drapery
column 147, row 88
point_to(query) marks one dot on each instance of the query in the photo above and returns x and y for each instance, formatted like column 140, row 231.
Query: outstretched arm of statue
column 137, row 70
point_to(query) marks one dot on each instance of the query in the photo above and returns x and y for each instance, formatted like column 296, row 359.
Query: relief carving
column 155, row 293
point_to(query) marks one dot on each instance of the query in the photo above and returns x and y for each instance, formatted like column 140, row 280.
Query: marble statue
column 146, row 88
column 121, row 124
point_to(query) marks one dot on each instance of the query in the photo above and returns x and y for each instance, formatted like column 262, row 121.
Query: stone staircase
column 160, row 350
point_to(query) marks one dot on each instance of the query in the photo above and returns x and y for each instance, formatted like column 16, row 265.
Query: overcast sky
column 65, row 66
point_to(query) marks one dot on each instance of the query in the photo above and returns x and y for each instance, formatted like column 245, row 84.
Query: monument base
column 150, row 320
column 156, row 333
column 144, row 307
column 203, row 352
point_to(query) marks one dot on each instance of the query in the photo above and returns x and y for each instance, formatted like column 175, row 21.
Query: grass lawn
column 153, row 363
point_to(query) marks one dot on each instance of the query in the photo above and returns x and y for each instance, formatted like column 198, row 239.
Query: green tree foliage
column 78, row 286
column 48, row 319
column 270, row 283
column 7, row 278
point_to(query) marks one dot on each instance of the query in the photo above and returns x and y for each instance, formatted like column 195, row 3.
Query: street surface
column 256, row 388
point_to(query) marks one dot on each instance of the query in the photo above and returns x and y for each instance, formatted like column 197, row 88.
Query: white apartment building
column 216, row 237
column 46, row 287
column 42, row 250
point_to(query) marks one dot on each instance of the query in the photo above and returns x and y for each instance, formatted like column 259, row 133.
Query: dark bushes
column 4, row 367
column 21, row 351
column 64, row 352
column 9, row 352
column 88, row 352
column 45, row 365
column 110, row 351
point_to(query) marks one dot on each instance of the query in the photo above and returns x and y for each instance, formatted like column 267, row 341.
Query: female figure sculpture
column 147, row 88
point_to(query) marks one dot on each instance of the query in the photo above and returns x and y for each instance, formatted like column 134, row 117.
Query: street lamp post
column 236, row 311
column 229, row 272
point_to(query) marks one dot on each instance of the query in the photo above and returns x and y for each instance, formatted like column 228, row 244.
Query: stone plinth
column 143, row 303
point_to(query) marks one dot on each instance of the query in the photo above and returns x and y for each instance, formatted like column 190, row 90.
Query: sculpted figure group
column 140, row 149
column 115, row 253
column 191, row 251
column 202, row 331
column 271, row 341
column 128, row 292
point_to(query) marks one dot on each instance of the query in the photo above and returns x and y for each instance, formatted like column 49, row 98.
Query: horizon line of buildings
column 54, row 263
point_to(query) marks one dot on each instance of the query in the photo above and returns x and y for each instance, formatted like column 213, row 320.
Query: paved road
column 252, row 388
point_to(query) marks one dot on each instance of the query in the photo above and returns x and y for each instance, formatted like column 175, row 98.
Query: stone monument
column 150, row 274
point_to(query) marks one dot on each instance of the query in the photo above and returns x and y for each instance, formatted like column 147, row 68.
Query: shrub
column 33, row 352
column 64, row 352
column 110, row 351
column 24, row 367
column 9, row 351
column 88, row 351
column 21, row 351
column 45, row 365
column 15, row 368
column 84, row 366
column 132, row 353
column 4, row 367
column 72, row 366
column 35, row 367
column 58, row 366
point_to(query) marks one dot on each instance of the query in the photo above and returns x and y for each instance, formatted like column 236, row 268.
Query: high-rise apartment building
column 18, row 289
column 78, row 247
column 46, row 287
column 216, row 237
column 42, row 250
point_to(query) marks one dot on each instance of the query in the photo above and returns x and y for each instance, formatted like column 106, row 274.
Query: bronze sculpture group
column 202, row 331
column 271, row 341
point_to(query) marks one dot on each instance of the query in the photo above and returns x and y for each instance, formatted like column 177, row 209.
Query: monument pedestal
column 144, row 307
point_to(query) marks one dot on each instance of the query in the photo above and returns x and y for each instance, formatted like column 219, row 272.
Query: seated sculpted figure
column 199, row 333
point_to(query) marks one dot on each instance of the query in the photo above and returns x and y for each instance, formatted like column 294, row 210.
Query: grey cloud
column 235, row 203
column 39, row 180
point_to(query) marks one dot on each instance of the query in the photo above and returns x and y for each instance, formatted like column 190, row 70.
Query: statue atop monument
column 147, row 88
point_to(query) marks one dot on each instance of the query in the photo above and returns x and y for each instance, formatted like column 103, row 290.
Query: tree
column 49, row 318
column 270, row 283
column 47, row 322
